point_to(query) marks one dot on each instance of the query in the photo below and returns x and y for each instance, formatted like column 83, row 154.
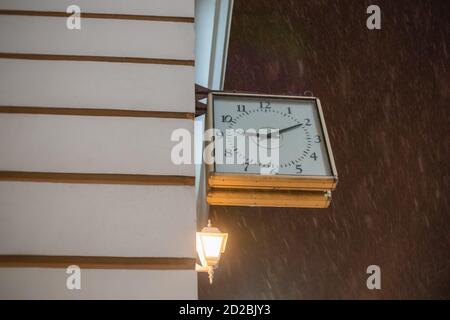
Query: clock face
column 287, row 132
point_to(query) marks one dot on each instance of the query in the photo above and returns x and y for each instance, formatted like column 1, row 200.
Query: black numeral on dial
column 241, row 108
column 265, row 105
column 246, row 164
column 318, row 139
column 227, row 119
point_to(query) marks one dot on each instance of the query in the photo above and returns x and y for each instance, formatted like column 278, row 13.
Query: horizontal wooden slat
column 288, row 199
column 133, row 263
column 66, row 218
column 268, row 182
column 97, row 178
column 91, row 15
column 96, row 112
column 49, row 283
column 78, row 84
column 178, row 8
column 101, row 145
column 55, row 57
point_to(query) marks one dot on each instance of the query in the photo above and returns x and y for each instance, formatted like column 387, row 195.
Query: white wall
column 66, row 219
column 204, row 27
column 97, row 220
column 212, row 25
column 212, row 29
column 80, row 144
column 224, row 11
column 82, row 84
column 101, row 37
column 32, row 283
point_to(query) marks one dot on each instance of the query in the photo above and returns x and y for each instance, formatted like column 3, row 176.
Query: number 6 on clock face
column 297, row 122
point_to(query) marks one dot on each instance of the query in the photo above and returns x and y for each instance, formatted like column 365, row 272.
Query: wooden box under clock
column 304, row 173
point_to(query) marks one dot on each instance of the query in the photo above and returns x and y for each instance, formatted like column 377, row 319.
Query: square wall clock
column 304, row 160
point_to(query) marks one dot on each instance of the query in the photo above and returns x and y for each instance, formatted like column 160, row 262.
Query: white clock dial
column 302, row 149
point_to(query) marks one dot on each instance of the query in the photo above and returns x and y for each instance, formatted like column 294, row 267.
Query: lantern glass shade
column 211, row 244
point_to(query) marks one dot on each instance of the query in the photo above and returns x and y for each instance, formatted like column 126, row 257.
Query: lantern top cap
column 210, row 229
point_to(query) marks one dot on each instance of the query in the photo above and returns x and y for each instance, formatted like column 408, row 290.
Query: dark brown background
column 386, row 100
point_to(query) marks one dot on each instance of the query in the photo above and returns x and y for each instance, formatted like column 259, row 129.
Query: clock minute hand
column 290, row 128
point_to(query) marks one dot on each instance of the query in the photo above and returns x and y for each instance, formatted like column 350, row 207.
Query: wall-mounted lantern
column 211, row 244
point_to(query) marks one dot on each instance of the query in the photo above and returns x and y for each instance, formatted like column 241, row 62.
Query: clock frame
column 252, row 189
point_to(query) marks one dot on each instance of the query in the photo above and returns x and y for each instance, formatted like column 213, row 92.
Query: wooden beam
column 283, row 199
column 66, row 57
column 96, row 112
column 271, row 182
column 114, row 16
column 128, row 263
column 97, row 178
